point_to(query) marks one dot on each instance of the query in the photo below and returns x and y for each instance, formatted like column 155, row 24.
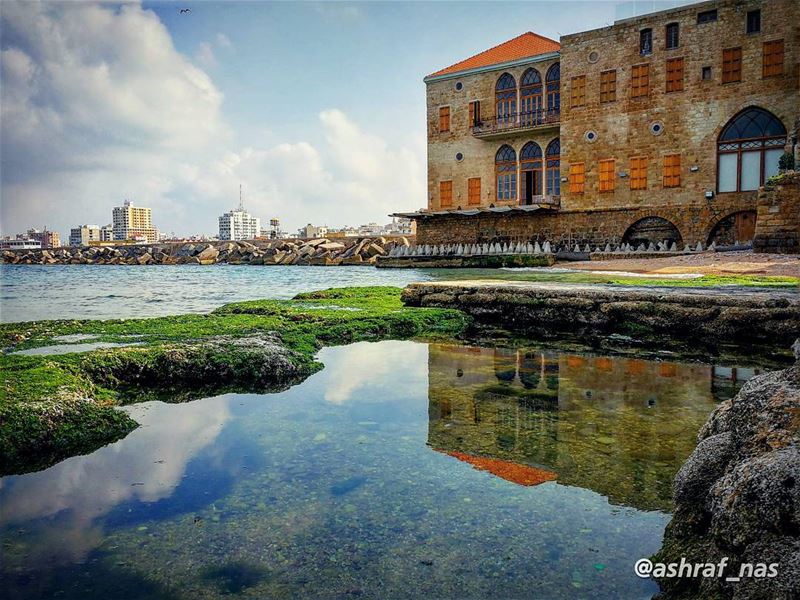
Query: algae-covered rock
column 738, row 495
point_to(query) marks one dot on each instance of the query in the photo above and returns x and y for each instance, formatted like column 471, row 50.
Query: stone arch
column 653, row 230
column 738, row 226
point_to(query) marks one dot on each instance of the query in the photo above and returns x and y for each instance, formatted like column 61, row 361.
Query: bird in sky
column 185, row 10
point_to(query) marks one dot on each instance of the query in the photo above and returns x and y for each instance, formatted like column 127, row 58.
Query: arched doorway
column 505, row 166
column 652, row 230
column 553, row 78
column 737, row 227
column 553, row 168
column 748, row 150
column 530, row 159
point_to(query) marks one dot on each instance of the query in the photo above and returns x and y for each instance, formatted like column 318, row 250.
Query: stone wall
column 691, row 119
column 596, row 227
column 478, row 154
column 778, row 222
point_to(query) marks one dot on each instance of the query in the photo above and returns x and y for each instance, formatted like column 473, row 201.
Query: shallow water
column 402, row 469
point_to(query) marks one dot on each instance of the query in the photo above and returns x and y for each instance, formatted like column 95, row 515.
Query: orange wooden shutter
column 606, row 171
column 445, row 193
column 675, row 74
column 773, row 58
column 672, row 170
column 608, row 86
column 577, row 177
column 444, row 119
column 578, row 88
column 474, row 191
column 640, row 81
column 639, row 173
column 731, row 65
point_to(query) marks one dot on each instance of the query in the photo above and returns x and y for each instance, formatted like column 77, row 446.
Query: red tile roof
column 524, row 46
column 510, row 471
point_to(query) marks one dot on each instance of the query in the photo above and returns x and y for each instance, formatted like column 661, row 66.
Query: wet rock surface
column 703, row 315
column 738, row 494
column 320, row 252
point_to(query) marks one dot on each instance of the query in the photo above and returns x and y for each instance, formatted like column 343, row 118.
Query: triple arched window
column 538, row 100
column 539, row 173
column 748, row 150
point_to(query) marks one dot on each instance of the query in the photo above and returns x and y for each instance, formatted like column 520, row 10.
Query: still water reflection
column 401, row 470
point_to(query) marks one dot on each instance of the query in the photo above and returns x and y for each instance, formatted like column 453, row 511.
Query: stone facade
column 685, row 122
column 778, row 224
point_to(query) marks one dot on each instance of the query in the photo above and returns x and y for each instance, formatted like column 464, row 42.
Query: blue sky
column 318, row 109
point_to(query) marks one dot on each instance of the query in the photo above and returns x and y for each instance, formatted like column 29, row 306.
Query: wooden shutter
column 474, row 113
column 474, row 191
column 773, row 58
column 672, row 170
column 606, row 171
column 608, row 86
column 444, row 119
column 640, row 81
column 639, row 173
column 675, row 74
column 445, row 193
column 731, row 65
column 577, row 177
column 578, row 89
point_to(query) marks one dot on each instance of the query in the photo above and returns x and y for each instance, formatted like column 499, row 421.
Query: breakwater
column 318, row 252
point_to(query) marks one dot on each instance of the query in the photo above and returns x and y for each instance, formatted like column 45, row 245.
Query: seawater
column 401, row 470
column 34, row 292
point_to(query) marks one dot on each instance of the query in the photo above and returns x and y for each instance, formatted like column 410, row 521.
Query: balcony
column 513, row 123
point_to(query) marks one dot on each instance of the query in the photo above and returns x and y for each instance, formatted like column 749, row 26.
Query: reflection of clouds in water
column 90, row 486
column 368, row 363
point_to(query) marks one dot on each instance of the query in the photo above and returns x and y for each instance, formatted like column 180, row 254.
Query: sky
column 316, row 108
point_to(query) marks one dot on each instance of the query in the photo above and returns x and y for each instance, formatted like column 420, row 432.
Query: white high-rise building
column 83, row 235
column 238, row 224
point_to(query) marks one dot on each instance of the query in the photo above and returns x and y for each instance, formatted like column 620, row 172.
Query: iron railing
column 542, row 200
column 518, row 120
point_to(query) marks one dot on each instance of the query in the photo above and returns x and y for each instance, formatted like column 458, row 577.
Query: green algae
column 252, row 346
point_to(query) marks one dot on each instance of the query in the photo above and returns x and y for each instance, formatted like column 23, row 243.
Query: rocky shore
column 321, row 252
column 651, row 314
column 738, row 494
column 56, row 406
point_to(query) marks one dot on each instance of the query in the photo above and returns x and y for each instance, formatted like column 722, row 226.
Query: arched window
column 505, row 165
column 554, row 88
column 505, row 94
column 530, row 163
column 553, row 168
column 748, row 150
column 530, row 97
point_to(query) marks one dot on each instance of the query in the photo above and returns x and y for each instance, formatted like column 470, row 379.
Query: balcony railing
column 522, row 121
column 542, row 200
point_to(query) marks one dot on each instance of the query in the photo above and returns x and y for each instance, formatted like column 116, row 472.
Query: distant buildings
column 83, row 235
column 47, row 239
column 238, row 224
column 20, row 244
column 312, row 231
column 131, row 222
column 107, row 233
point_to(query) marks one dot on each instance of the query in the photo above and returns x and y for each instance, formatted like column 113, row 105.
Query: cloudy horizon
column 316, row 109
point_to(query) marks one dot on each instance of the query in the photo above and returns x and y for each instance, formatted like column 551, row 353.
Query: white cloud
column 205, row 55
column 98, row 105
column 223, row 41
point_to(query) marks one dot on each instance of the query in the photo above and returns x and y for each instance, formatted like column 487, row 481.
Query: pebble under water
column 402, row 469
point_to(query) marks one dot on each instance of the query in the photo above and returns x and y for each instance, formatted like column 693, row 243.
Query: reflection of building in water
column 619, row 426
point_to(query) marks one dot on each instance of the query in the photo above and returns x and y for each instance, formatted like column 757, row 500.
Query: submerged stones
column 738, row 494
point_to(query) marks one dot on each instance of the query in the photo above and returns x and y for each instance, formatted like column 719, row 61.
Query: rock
column 738, row 494
column 208, row 255
column 331, row 246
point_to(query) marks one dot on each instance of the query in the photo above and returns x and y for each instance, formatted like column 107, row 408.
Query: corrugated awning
column 425, row 214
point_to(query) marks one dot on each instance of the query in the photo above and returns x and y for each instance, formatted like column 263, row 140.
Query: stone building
column 658, row 127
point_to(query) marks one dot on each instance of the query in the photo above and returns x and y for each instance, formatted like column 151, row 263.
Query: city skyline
column 176, row 110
